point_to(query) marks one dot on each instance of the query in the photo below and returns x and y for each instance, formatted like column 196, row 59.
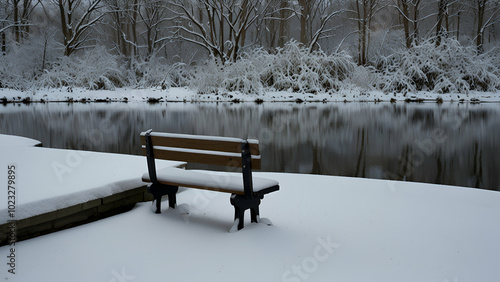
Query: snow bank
column 182, row 94
column 325, row 229
column 17, row 141
column 52, row 179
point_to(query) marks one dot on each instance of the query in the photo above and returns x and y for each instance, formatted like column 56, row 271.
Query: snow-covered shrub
column 94, row 69
column 363, row 77
column 294, row 68
column 242, row 76
column 156, row 72
column 17, row 70
column 214, row 76
column 208, row 78
column 23, row 62
column 449, row 67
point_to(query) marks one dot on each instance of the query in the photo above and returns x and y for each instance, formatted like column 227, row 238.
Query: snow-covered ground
column 187, row 95
column 324, row 228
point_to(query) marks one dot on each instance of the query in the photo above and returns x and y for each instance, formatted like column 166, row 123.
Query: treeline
column 249, row 45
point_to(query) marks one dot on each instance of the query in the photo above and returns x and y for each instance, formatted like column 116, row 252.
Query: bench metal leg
column 158, row 203
column 254, row 212
column 172, row 200
column 159, row 190
column 241, row 204
column 239, row 213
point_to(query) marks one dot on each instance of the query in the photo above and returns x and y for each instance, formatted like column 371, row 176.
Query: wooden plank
column 201, row 158
column 200, row 144
column 203, row 187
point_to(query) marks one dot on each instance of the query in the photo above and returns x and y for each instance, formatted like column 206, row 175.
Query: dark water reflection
column 455, row 144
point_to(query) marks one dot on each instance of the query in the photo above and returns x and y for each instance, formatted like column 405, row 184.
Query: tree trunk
column 4, row 44
column 363, row 33
column 283, row 24
column 135, row 13
column 416, row 15
column 64, row 27
column 406, row 22
column 480, row 21
column 442, row 7
column 221, row 31
column 15, row 11
column 25, row 18
column 304, row 18
column 360, row 26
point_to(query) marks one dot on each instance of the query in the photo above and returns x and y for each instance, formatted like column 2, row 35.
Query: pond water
column 456, row 144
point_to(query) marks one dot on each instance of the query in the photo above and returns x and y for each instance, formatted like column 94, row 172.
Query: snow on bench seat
column 201, row 137
column 210, row 180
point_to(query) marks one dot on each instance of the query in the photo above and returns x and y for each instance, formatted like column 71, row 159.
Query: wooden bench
column 246, row 191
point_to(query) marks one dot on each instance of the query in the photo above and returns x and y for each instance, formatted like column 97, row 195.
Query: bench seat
column 212, row 180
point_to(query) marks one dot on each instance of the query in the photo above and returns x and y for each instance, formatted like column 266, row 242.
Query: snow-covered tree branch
column 219, row 26
column 77, row 18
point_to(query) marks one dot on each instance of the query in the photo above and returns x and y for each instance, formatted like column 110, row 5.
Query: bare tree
column 322, row 30
column 5, row 25
column 21, row 11
column 409, row 10
column 121, row 14
column 77, row 19
column 315, row 20
column 16, row 15
column 219, row 26
column 153, row 15
column 306, row 7
column 442, row 18
column 363, row 14
column 281, row 11
column 284, row 15
column 456, row 9
column 487, row 13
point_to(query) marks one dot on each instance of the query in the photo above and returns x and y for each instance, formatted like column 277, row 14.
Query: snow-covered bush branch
column 95, row 69
column 292, row 68
column 295, row 68
column 449, row 67
column 155, row 72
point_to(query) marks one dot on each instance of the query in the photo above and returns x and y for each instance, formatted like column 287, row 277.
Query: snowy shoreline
column 186, row 95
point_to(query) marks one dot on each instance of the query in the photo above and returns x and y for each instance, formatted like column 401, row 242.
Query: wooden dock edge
column 72, row 216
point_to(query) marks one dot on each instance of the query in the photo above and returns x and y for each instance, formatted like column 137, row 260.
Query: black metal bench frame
column 249, row 200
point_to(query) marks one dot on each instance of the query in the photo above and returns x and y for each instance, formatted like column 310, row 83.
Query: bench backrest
column 223, row 151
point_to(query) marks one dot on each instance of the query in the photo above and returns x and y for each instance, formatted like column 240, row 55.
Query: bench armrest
column 150, row 157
